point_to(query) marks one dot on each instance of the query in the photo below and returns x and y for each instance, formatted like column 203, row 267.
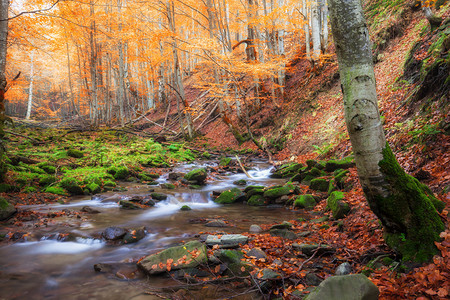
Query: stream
column 46, row 268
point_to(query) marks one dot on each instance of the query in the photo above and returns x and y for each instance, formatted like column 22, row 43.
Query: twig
column 242, row 167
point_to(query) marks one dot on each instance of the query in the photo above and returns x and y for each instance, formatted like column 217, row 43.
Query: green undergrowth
column 87, row 163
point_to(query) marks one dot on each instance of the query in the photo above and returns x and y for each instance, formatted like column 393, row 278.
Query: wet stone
column 114, row 233
column 216, row 223
column 226, row 240
column 89, row 210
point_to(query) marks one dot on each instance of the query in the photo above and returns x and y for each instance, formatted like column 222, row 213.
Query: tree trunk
column 406, row 208
column 4, row 5
column 30, row 90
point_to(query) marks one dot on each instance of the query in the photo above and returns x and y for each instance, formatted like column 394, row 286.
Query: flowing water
column 50, row 269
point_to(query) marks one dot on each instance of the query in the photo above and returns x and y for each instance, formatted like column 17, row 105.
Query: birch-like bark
column 405, row 207
column 315, row 30
column 30, row 90
column 305, row 12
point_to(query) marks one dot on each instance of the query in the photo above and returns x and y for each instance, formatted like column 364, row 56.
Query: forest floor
column 308, row 124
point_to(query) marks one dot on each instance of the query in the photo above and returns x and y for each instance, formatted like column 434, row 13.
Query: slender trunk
column 30, row 91
column 305, row 11
column 315, row 29
column 405, row 207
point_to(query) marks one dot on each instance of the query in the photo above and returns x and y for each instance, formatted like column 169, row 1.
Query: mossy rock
column 158, row 196
column 241, row 182
column 345, row 163
column 225, row 161
column 56, row 190
column 340, row 176
column 168, row 186
column 206, row 155
column 275, row 192
column 29, row 189
column 256, row 200
column 253, row 187
column 75, row 153
column 125, row 204
column 230, row 196
column 283, row 233
column 319, row 184
column 230, row 256
column 311, row 163
column 47, row 168
column 305, row 201
column 254, row 192
column 197, row 175
column 7, row 188
column 287, row 170
column 71, row 185
column 191, row 255
column 121, row 173
column 94, row 188
column 109, row 184
column 185, row 208
column 6, row 209
column 338, row 207
column 45, row 180
column 241, row 269
column 331, row 187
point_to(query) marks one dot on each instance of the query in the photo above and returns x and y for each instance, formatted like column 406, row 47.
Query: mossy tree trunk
column 406, row 208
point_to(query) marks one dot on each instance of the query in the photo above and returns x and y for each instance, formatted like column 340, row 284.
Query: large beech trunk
column 406, row 208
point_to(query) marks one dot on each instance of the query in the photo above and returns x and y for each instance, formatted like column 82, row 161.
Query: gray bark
column 30, row 90
column 405, row 207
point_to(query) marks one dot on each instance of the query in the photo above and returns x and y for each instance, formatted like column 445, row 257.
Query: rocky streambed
column 200, row 226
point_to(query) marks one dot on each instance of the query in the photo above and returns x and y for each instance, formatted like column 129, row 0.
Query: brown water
column 51, row 269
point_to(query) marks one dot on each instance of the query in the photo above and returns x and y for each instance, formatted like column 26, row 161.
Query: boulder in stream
column 230, row 196
column 89, row 210
column 158, row 196
column 189, row 255
column 197, row 176
column 125, row 204
column 114, row 233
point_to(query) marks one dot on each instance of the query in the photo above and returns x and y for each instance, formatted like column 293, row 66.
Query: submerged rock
column 134, row 235
column 89, row 210
column 189, row 255
column 354, row 287
column 216, row 223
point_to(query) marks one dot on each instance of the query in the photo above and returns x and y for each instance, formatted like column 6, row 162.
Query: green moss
column 3, row 203
column 275, row 192
column 185, row 208
column 49, row 169
column 55, row 190
column 29, row 189
column 94, row 188
column 75, row 153
column 71, row 185
column 305, row 201
column 45, row 180
column 319, row 184
column 224, row 161
column 256, row 200
column 230, row 196
column 6, row 188
column 411, row 208
column 121, row 173
column 338, row 207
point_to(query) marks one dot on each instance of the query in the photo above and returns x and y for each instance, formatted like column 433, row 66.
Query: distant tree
column 4, row 5
column 406, row 208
